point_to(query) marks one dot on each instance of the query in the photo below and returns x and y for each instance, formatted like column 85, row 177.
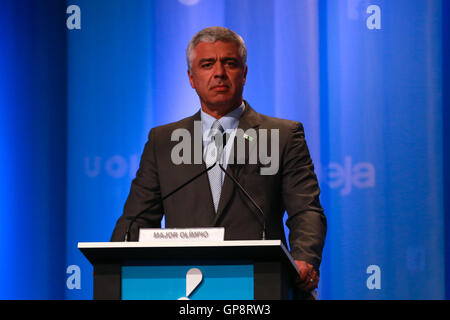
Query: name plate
column 181, row 234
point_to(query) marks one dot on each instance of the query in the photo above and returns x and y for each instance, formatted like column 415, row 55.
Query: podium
column 225, row 270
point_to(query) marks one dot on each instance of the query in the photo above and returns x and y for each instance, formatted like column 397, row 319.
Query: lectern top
column 123, row 252
column 229, row 243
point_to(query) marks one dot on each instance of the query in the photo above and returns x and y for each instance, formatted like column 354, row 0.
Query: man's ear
column 245, row 73
column 191, row 80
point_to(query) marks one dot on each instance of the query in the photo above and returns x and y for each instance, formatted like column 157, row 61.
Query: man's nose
column 219, row 71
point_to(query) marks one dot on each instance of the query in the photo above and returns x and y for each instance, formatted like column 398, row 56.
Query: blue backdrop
column 83, row 81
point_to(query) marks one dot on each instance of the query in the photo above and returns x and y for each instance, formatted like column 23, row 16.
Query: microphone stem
column 127, row 234
column 220, row 152
column 263, row 236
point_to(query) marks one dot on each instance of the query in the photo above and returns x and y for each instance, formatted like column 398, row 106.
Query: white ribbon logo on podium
column 193, row 279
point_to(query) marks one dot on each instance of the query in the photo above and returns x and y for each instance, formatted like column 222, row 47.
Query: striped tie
column 212, row 154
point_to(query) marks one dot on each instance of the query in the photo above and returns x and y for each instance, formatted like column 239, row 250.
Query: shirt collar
column 230, row 121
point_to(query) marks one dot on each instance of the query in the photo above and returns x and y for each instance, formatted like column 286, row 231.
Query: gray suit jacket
column 294, row 188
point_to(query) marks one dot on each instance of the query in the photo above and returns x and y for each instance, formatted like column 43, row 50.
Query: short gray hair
column 213, row 34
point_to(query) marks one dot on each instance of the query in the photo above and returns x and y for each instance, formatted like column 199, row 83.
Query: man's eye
column 206, row 65
column 232, row 64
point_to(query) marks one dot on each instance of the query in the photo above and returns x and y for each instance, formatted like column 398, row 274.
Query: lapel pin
column 249, row 138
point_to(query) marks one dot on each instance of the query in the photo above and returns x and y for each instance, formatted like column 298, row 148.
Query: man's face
column 218, row 75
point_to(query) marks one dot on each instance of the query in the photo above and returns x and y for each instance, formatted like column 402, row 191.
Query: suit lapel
column 249, row 119
column 194, row 169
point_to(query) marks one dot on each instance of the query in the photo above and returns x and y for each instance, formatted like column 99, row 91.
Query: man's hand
column 308, row 278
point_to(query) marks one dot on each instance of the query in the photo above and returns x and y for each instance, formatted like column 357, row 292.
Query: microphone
column 263, row 235
column 220, row 142
column 133, row 219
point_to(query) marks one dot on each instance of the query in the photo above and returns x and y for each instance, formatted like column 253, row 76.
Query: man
column 217, row 70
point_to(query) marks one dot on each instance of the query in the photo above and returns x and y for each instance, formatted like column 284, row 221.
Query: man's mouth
column 220, row 87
